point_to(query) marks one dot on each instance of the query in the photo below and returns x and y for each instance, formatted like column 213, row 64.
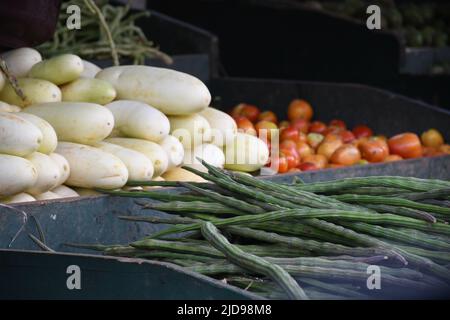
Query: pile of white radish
column 80, row 128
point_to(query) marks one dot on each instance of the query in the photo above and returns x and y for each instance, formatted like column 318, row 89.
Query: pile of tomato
column 305, row 144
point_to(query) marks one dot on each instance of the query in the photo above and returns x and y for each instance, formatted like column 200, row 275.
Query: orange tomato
column 289, row 133
column 338, row 124
column 301, row 125
column 303, row 149
column 374, row 150
column 307, row 166
column 266, row 129
column 346, row 155
column 294, row 170
column 300, row 109
column 430, row 151
column 332, row 130
column 245, row 125
column 445, row 148
column 329, row 145
column 335, row 166
column 314, row 139
column 407, row 145
column 291, row 156
column 288, row 144
column 249, row 111
column 319, row 160
column 363, row 162
column 392, row 158
column 302, row 137
column 268, row 116
column 361, row 131
column 280, row 164
column 317, row 127
column 432, row 138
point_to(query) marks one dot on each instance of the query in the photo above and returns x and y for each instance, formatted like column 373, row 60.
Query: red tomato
column 291, row 156
column 300, row 124
column 374, row 149
column 283, row 124
column 300, row 109
column 266, row 129
column 332, row 130
column 346, row 155
column 392, row 158
column 317, row 127
column 268, row 116
column 294, row 170
column 361, row 131
column 303, row 149
column 289, row 133
column 314, row 139
column 280, row 164
column 347, row 136
column 307, row 166
column 245, row 125
column 249, row 111
column 288, row 144
column 319, row 160
column 338, row 124
column 407, row 145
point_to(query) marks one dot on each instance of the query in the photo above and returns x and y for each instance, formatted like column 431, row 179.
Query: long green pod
column 396, row 235
column 354, row 198
column 193, row 206
column 156, row 195
column 431, row 194
column 402, row 211
column 252, row 262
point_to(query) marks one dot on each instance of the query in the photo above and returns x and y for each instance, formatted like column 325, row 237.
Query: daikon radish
column 59, row 69
column 223, row 127
column 180, row 174
column 136, row 119
column 47, row 171
column 16, row 175
column 170, row 91
column 78, row 122
column 6, row 107
column 35, row 91
column 49, row 139
column 151, row 150
column 20, row 61
column 191, row 130
column 63, row 166
column 18, row 198
column 18, row 137
column 245, row 153
column 88, row 90
column 174, row 150
column 140, row 168
column 211, row 153
column 89, row 70
column 65, row 192
column 49, row 195
column 91, row 167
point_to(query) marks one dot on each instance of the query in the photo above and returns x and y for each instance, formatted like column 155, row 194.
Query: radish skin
column 89, row 70
column 151, row 150
column 20, row 61
column 49, row 195
column 48, row 173
column 65, row 192
column 18, row 198
column 140, row 168
column 16, row 175
column 49, row 138
column 35, row 91
column 136, row 119
column 88, row 90
column 245, row 153
column 59, row 69
column 170, row 91
column 223, row 127
column 63, row 166
column 191, row 130
column 18, row 137
column 91, row 167
column 174, row 150
column 180, row 174
column 5, row 107
column 211, row 153
column 79, row 122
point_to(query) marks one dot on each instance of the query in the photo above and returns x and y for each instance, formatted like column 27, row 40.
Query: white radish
column 170, row 91
column 20, row 61
column 48, row 173
column 35, row 91
column 18, row 137
column 89, row 70
column 49, row 138
column 150, row 149
column 18, row 198
column 49, row 195
column 191, row 130
column 59, row 69
column 174, row 150
column 223, row 126
column 245, row 153
column 6, row 107
column 79, row 122
column 88, row 90
column 16, row 175
column 63, row 166
column 136, row 119
column 210, row 153
column 91, row 167
column 65, row 192
column 180, row 174
column 140, row 168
